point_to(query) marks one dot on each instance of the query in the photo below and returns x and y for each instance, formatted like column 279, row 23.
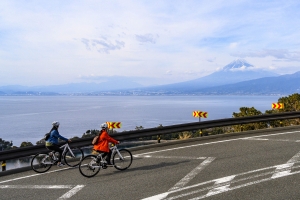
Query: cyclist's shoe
column 109, row 165
column 60, row 165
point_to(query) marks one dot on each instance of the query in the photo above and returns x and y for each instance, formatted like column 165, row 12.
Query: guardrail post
column 158, row 138
column 3, row 165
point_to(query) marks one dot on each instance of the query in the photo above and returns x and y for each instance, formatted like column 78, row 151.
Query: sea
column 28, row 118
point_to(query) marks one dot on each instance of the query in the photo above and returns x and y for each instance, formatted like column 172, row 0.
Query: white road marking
column 71, row 192
column 223, row 184
column 36, row 186
column 192, row 174
column 286, row 168
column 67, row 195
column 14, row 179
column 202, row 144
column 175, row 157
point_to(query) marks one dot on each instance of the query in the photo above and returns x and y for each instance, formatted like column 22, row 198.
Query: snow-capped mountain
column 239, row 64
column 236, row 71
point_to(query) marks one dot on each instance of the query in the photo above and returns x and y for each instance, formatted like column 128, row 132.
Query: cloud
column 281, row 54
column 243, row 68
column 142, row 38
column 103, row 45
column 147, row 38
column 169, row 73
column 211, row 59
column 233, row 45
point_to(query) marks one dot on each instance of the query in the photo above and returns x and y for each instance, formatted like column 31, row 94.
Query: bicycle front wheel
column 88, row 166
column 122, row 159
column 41, row 163
column 73, row 158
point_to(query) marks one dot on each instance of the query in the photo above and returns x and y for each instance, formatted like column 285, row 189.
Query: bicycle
column 42, row 162
column 90, row 165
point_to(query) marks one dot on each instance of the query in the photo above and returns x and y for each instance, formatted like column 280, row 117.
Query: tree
column 291, row 103
column 26, row 144
column 246, row 112
column 5, row 145
column 90, row 133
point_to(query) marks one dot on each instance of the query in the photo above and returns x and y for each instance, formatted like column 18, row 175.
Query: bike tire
column 73, row 161
column 41, row 163
column 122, row 163
column 88, row 166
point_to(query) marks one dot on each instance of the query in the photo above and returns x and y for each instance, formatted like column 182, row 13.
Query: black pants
column 56, row 148
column 108, row 156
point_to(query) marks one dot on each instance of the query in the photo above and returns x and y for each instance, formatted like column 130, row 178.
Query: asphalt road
column 262, row 165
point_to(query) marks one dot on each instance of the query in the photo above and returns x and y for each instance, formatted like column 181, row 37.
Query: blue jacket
column 54, row 135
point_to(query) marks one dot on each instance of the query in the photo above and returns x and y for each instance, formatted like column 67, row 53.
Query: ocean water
column 28, row 118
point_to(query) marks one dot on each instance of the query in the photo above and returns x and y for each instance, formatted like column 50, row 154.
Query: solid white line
column 255, row 139
column 71, row 192
column 192, row 174
column 33, row 175
column 195, row 145
column 36, row 186
column 177, row 157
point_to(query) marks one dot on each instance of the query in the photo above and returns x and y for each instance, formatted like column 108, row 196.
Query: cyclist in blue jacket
column 52, row 142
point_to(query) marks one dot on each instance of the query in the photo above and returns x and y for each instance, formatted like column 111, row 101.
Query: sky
column 159, row 41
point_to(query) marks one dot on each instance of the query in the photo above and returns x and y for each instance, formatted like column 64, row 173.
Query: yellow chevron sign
column 114, row 124
column 277, row 105
column 200, row 114
column 196, row 114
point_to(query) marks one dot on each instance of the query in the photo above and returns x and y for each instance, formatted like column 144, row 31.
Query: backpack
column 46, row 137
column 95, row 140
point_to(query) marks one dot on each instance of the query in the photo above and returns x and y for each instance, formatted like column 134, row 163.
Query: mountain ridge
column 238, row 77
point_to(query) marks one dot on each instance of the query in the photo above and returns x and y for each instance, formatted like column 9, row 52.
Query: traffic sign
column 200, row 114
column 196, row 114
column 114, row 124
column 277, row 105
column 203, row 114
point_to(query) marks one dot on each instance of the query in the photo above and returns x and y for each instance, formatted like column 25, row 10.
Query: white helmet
column 103, row 126
column 55, row 123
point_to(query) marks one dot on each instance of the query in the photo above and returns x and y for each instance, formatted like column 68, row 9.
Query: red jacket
column 103, row 140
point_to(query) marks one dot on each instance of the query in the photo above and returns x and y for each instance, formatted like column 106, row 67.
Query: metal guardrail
column 127, row 135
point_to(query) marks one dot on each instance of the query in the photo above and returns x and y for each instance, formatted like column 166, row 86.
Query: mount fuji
column 236, row 71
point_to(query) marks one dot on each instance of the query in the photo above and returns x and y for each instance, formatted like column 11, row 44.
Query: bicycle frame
column 115, row 149
column 66, row 147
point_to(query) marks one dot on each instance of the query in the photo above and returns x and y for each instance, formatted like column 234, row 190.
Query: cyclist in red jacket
column 101, row 144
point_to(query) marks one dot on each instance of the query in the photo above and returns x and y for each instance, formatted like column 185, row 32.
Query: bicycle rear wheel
column 88, row 166
column 71, row 160
column 41, row 163
column 123, row 160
